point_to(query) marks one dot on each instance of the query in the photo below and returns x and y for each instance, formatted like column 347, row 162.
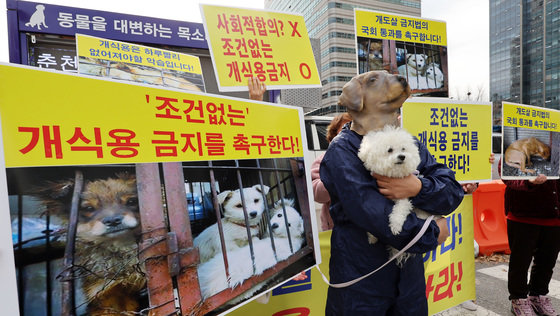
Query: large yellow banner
column 457, row 133
column 272, row 46
column 531, row 117
column 382, row 25
column 75, row 120
column 450, row 275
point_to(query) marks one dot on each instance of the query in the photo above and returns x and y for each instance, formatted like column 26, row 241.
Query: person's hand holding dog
column 398, row 188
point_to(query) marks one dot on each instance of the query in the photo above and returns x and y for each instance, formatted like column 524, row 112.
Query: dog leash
column 414, row 240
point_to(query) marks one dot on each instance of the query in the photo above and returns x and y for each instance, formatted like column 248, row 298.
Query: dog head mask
column 373, row 100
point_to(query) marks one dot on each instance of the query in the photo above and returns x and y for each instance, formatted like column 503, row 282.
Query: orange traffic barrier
column 489, row 219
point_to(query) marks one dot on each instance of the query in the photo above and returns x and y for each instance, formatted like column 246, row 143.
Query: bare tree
column 470, row 94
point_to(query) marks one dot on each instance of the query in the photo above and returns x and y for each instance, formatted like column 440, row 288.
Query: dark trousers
column 531, row 242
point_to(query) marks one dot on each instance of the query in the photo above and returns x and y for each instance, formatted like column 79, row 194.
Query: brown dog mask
column 373, row 100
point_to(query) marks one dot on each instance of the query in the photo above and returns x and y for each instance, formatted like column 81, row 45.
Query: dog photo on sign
column 257, row 223
column 250, row 227
column 526, row 153
column 106, row 273
column 424, row 66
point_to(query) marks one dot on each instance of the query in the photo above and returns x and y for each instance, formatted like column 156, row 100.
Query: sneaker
column 522, row 307
column 542, row 306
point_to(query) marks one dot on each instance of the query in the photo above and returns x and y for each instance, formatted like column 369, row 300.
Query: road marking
column 501, row 272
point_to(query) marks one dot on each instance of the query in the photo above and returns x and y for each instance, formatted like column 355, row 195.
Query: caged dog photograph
column 286, row 226
column 375, row 55
column 108, row 276
column 424, row 66
column 233, row 222
column 140, row 73
column 259, row 223
column 530, row 154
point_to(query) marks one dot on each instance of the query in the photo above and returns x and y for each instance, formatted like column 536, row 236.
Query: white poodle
column 392, row 152
column 233, row 223
column 212, row 275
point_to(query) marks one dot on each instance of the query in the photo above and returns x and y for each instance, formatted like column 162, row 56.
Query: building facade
column 332, row 23
column 524, row 53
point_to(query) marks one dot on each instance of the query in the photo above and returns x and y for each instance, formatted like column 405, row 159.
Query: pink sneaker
column 522, row 307
column 542, row 306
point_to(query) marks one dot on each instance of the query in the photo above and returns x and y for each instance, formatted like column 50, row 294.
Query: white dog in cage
column 233, row 222
column 434, row 76
column 212, row 275
column 413, row 70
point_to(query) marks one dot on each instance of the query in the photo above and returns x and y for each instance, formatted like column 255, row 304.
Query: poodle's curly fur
column 392, row 152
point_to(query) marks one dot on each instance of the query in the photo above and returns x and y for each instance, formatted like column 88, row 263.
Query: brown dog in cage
column 106, row 255
column 518, row 154
column 375, row 56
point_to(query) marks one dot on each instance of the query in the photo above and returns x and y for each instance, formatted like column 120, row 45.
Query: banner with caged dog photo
column 415, row 48
column 530, row 142
column 130, row 198
column 104, row 57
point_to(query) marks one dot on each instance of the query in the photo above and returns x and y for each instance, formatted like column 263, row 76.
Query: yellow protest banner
column 457, row 133
column 272, row 46
column 382, row 25
column 526, row 116
column 101, row 48
column 120, row 60
column 412, row 47
column 450, row 269
column 111, row 142
column 526, row 126
column 50, row 128
column 449, row 272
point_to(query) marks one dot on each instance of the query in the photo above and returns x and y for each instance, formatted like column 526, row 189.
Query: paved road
column 491, row 291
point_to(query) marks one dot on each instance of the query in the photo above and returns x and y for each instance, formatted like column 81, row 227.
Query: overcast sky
column 467, row 30
column 467, row 43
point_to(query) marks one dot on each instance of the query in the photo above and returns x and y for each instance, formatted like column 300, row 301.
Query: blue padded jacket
column 357, row 207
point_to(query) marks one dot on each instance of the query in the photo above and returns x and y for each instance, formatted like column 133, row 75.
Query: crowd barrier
column 489, row 220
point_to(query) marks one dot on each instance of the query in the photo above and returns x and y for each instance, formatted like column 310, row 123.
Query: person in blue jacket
column 361, row 203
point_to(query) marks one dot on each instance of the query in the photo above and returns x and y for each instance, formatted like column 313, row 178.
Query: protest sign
column 413, row 47
column 271, row 46
column 530, row 142
column 457, row 133
column 148, row 173
column 120, row 60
